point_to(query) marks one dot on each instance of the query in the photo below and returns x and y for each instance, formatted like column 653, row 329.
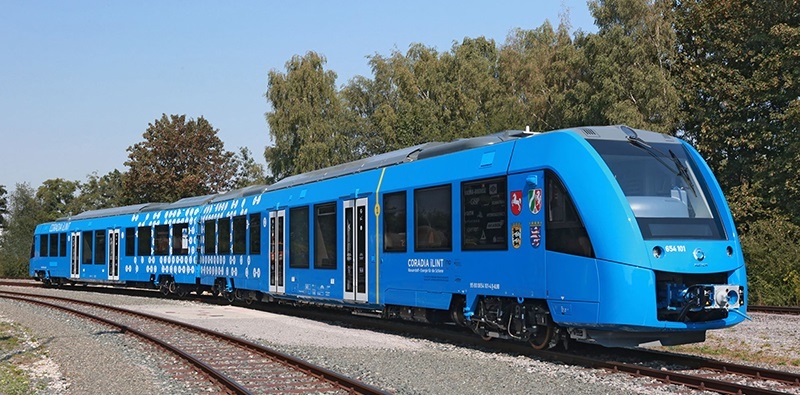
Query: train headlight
column 729, row 250
column 658, row 251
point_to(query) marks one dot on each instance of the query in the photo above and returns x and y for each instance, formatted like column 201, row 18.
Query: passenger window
column 130, row 241
column 298, row 238
column 225, row 236
column 99, row 247
column 180, row 239
column 433, row 219
column 325, row 256
column 62, row 244
column 255, row 234
column 162, row 239
column 240, row 235
column 395, row 236
column 563, row 226
column 145, row 238
column 484, row 215
column 210, row 237
column 43, row 245
column 53, row 244
column 87, row 243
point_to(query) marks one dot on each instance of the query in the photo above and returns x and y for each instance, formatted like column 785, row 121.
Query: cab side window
column 565, row 230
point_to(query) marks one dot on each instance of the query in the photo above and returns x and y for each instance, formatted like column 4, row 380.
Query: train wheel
column 228, row 296
column 543, row 337
column 164, row 288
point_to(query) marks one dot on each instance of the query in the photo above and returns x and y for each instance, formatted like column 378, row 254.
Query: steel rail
column 664, row 376
column 722, row 367
column 342, row 382
column 774, row 309
column 222, row 380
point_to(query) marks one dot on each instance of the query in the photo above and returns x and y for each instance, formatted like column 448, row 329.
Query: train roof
column 410, row 154
column 109, row 212
column 238, row 193
column 622, row 133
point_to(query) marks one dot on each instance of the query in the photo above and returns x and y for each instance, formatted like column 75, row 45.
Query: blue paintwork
column 612, row 291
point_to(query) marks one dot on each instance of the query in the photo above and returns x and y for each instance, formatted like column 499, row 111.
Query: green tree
column 24, row 213
column 307, row 123
column 248, row 171
column 56, row 198
column 471, row 90
column 99, row 192
column 3, row 206
column 630, row 63
column 422, row 95
column 740, row 68
column 402, row 98
column 543, row 74
column 177, row 159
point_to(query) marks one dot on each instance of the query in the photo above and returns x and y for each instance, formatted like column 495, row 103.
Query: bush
column 772, row 253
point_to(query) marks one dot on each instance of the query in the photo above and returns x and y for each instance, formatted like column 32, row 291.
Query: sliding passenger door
column 277, row 251
column 355, row 250
column 113, row 254
column 75, row 255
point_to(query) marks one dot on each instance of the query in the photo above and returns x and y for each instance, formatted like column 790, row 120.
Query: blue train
column 601, row 234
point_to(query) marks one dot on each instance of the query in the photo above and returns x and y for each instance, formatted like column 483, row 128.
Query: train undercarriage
column 494, row 317
column 510, row 318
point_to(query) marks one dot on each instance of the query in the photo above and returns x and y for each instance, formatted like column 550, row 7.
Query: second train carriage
column 603, row 234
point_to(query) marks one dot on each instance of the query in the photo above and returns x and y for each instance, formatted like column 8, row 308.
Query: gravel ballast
column 91, row 360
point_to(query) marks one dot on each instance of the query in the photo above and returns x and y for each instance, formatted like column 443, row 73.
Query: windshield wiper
column 683, row 172
column 680, row 170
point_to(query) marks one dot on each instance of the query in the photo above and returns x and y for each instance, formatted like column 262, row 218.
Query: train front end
column 669, row 265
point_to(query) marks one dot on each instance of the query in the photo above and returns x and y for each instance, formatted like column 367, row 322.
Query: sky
column 80, row 81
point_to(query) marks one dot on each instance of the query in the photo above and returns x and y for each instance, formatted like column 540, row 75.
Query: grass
column 736, row 354
column 15, row 353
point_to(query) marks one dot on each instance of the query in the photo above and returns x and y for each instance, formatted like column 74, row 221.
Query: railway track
column 695, row 372
column 774, row 309
column 669, row 368
column 226, row 364
column 703, row 373
column 699, row 373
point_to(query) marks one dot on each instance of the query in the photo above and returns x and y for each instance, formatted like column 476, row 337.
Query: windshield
column 667, row 194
